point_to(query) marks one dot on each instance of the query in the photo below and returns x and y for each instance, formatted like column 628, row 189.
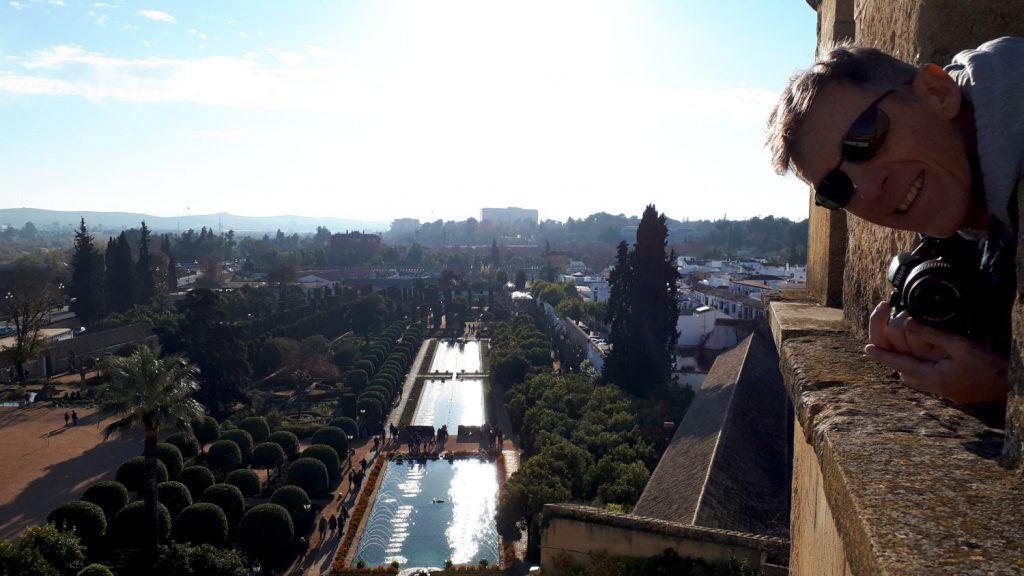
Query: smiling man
column 932, row 150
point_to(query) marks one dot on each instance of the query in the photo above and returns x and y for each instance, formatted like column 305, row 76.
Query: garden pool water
column 454, row 401
column 429, row 512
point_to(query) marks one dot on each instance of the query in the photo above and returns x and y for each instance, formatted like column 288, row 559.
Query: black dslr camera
column 941, row 283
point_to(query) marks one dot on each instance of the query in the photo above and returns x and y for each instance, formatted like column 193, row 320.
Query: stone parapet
column 909, row 484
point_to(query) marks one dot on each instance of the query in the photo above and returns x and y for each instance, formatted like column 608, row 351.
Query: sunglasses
column 862, row 141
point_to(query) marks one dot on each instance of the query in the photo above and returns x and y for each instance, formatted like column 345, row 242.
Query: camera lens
column 932, row 294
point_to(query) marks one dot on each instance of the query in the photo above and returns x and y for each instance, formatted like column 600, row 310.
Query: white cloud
column 243, row 34
column 147, row 44
column 101, row 19
column 197, row 33
column 102, row 5
column 57, row 2
column 225, row 134
column 320, row 52
column 285, row 57
column 156, row 15
column 129, row 27
column 16, row 5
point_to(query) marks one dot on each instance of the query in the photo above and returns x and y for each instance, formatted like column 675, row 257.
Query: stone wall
column 580, row 533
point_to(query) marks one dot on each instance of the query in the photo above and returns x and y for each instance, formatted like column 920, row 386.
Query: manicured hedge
column 311, row 475
column 206, row 430
column 295, row 501
column 171, row 457
column 130, row 473
column 186, row 443
column 197, row 479
column 257, row 428
column 328, row 456
column 268, row 455
column 129, row 527
column 202, row 523
column 85, row 518
column 224, row 455
column 300, row 429
column 335, row 438
column 244, row 441
column 288, row 442
column 229, row 499
column 347, row 424
column 175, row 496
column 109, row 495
column 95, row 570
column 246, row 481
column 267, row 532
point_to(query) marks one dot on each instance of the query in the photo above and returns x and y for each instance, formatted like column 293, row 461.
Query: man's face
column 919, row 179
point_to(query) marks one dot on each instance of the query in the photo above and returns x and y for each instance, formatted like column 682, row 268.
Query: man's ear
column 934, row 86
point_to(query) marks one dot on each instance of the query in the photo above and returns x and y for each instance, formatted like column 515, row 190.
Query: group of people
column 71, row 417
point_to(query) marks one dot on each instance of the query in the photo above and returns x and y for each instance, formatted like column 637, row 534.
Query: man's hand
column 937, row 362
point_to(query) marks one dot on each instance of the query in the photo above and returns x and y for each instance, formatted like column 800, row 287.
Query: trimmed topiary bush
column 246, row 481
column 229, row 499
column 95, row 570
column 288, row 442
column 244, row 441
column 109, row 495
column 86, row 519
column 171, row 457
column 328, row 456
column 294, row 500
column 175, row 496
column 311, row 475
column 202, row 523
column 346, row 424
column 206, row 430
column 335, row 438
column 186, row 443
column 267, row 532
column 267, row 455
column 129, row 473
column 197, row 479
column 300, row 429
column 202, row 560
column 257, row 428
column 224, row 455
column 130, row 526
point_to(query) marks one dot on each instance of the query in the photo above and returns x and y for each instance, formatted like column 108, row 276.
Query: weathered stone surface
column 914, row 485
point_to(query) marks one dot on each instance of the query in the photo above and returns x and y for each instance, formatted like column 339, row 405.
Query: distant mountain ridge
column 223, row 221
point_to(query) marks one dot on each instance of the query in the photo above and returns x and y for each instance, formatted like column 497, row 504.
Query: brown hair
column 867, row 68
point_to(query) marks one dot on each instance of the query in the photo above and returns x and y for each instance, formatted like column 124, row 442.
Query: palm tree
column 150, row 392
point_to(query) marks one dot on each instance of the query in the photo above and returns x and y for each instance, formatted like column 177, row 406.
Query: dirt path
column 45, row 464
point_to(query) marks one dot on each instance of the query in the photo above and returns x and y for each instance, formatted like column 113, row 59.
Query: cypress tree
column 86, row 289
column 146, row 288
column 120, row 284
column 171, row 277
column 642, row 310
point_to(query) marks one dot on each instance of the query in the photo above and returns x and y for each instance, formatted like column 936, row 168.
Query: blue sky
column 383, row 109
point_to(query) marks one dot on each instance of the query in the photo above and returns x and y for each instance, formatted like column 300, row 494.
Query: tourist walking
column 322, row 528
column 333, row 524
column 67, row 417
column 74, row 418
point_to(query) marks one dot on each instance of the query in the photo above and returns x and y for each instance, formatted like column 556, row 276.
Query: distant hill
column 97, row 221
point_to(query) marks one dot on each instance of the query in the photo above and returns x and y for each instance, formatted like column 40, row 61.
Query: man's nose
column 868, row 179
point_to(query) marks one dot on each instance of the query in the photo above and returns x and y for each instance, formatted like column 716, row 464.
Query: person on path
column 74, row 418
column 333, row 524
column 303, row 546
column 343, row 516
column 67, row 417
column 322, row 528
column 362, row 464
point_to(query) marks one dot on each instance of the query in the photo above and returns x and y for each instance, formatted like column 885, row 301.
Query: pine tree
column 171, row 278
column 120, row 279
column 642, row 310
column 146, row 287
column 86, row 289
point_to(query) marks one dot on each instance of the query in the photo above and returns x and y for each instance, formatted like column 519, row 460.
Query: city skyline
column 376, row 111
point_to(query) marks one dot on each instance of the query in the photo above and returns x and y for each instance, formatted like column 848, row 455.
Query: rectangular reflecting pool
column 452, row 402
column 426, row 513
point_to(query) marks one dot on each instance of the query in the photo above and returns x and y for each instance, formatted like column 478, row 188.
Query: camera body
column 941, row 283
